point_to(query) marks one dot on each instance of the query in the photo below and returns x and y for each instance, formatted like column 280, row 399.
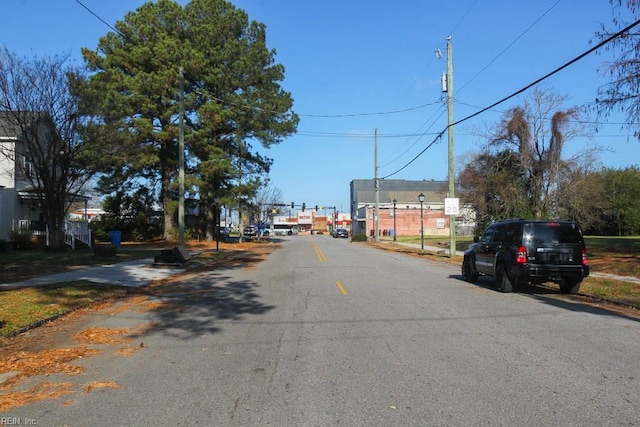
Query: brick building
column 399, row 207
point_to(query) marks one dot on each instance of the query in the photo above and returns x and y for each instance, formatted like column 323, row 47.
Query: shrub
column 22, row 239
column 3, row 246
column 359, row 238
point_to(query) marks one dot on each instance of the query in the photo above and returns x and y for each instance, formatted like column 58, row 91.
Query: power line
column 418, row 155
column 359, row 135
column 416, row 141
column 455, row 27
column 367, row 114
column 508, row 46
column 557, row 70
column 518, row 92
column 99, row 18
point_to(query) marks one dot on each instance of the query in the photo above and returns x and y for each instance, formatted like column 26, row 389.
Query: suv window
column 487, row 237
column 498, row 235
column 551, row 233
column 512, row 235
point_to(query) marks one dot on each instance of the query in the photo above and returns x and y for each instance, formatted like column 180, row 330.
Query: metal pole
column 395, row 230
column 217, row 225
column 421, row 228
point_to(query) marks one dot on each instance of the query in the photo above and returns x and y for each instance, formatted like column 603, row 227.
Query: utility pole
column 376, row 184
column 452, row 218
column 181, row 164
column 240, row 198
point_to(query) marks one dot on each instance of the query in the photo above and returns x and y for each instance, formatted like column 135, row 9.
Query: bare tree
column 37, row 107
column 622, row 93
column 522, row 169
column 268, row 200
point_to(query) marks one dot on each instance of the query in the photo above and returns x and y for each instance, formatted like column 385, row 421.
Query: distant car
column 341, row 232
column 250, row 231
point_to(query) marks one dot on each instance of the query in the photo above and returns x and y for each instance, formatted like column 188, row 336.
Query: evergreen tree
column 232, row 95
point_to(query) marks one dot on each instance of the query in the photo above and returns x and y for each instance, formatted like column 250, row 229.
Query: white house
column 19, row 204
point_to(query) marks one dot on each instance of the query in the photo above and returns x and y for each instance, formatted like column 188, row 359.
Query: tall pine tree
column 232, row 95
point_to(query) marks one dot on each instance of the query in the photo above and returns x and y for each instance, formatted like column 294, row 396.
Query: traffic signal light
column 316, row 208
column 292, row 205
column 303, row 206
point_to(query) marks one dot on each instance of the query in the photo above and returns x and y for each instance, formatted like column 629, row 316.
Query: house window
column 27, row 167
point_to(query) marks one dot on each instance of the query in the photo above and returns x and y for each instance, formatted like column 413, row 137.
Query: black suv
column 527, row 251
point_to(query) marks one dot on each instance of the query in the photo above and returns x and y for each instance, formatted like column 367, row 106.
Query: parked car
column 522, row 251
column 250, row 231
column 340, row 232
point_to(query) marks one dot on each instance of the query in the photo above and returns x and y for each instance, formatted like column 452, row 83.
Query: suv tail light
column 584, row 257
column 521, row 255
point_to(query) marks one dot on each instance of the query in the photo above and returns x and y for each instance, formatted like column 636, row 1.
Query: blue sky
column 346, row 60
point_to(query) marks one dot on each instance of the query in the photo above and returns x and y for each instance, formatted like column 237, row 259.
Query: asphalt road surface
column 326, row 332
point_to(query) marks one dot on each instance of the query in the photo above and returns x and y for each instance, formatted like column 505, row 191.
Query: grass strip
column 24, row 308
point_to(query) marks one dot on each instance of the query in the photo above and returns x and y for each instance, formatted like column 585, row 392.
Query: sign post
column 452, row 208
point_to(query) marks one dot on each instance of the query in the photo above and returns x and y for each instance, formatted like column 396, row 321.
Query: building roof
column 403, row 191
column 11, row 122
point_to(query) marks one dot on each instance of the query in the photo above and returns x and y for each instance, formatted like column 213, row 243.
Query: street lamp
column 395, row 230
column 421, row 199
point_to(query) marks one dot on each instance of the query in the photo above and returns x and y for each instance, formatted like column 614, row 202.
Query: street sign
column 451, row 206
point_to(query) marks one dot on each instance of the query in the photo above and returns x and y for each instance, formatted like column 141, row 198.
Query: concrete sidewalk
column 134, row 273
column 435, row 249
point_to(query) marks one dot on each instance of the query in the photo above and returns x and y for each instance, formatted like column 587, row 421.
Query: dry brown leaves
column 18, row 364
column 45, row 362
column 99, row 384
column 102, row 336
column 21, row 365
column 41, row 391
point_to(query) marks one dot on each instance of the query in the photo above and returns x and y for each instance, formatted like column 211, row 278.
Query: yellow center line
column 319, row 252
column 323, row 259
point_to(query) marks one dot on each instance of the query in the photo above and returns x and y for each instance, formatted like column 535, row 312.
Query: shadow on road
column 549, row 295
column 195, row 303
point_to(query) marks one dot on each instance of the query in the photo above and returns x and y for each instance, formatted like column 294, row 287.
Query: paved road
column 325, row 332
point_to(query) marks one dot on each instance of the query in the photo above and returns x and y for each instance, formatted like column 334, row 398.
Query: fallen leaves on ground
column 41, row 391
column 102, row 336
column 19, row 363
column 99, row 384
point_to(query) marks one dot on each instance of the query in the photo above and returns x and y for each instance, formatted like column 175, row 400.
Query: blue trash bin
column 116, row 238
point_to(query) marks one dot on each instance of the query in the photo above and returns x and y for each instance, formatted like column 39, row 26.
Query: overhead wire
column 442, row 111
column 366, row 114
column 99, row 18
column 546, row 76
column 484, row 68
column 525, row 88
column 508, row 46
column 439, row 135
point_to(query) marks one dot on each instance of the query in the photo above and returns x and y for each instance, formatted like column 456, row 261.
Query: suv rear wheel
column 569, row 286
column 503, row 282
